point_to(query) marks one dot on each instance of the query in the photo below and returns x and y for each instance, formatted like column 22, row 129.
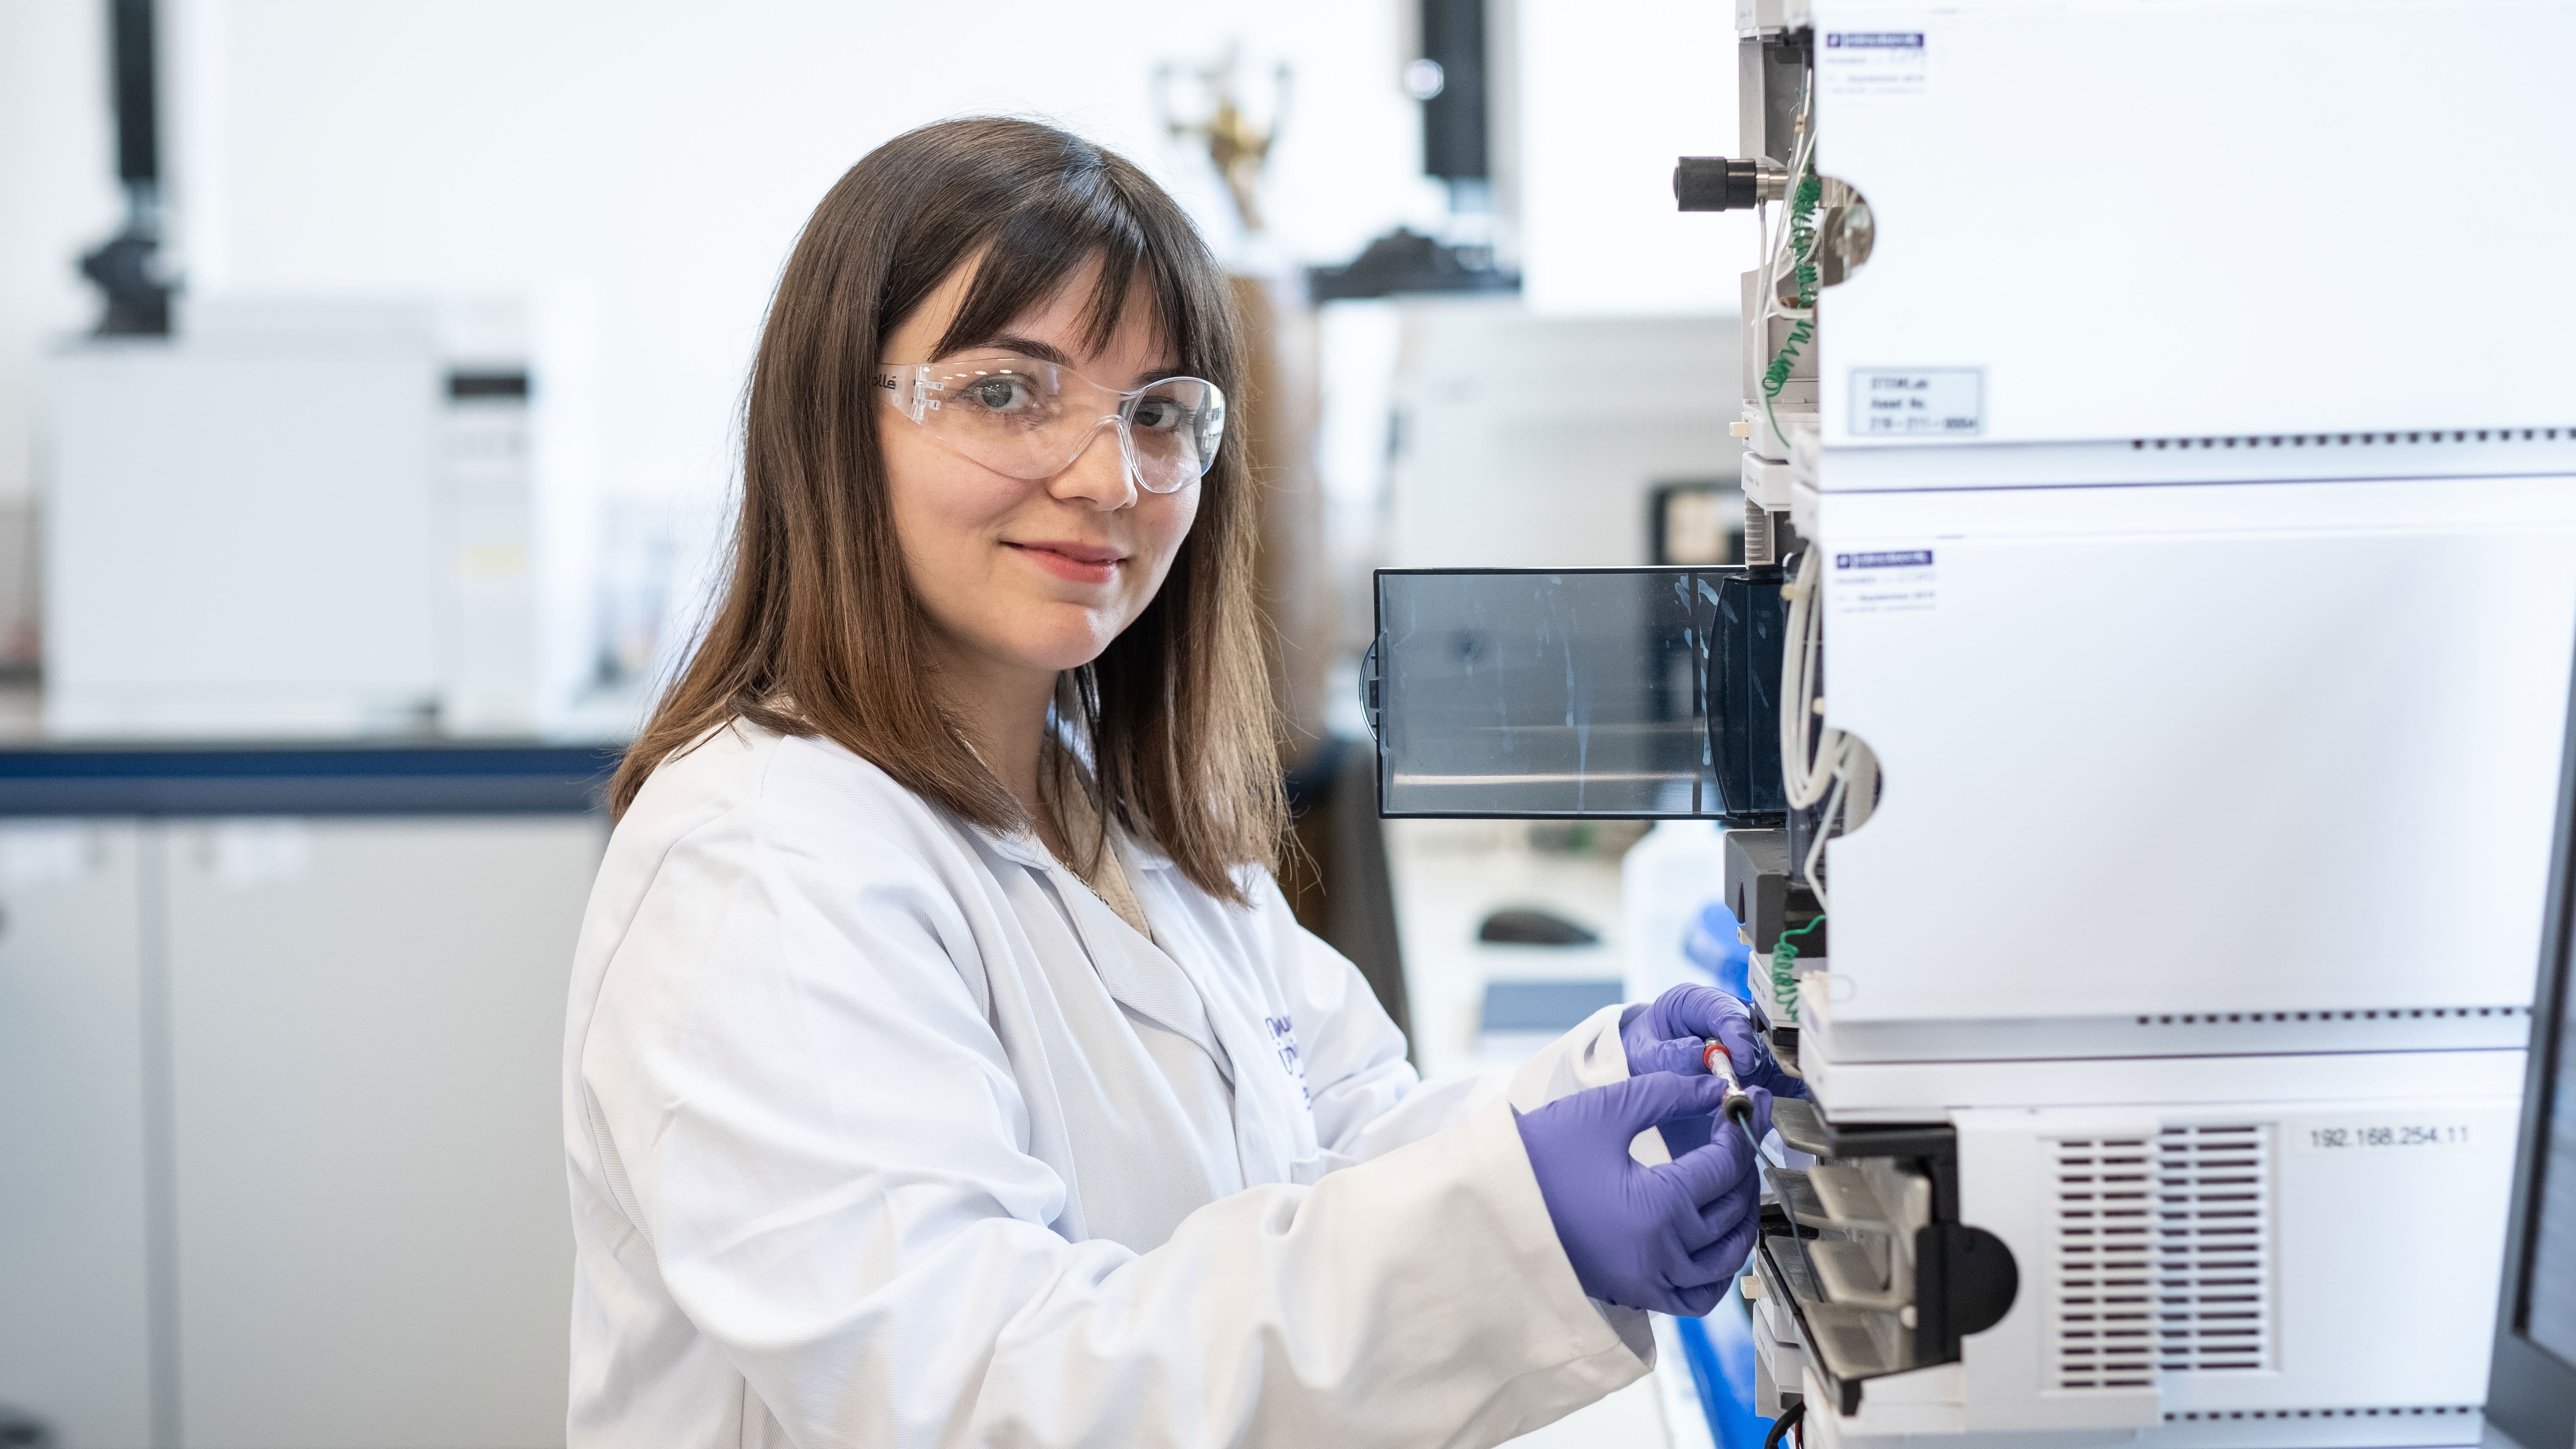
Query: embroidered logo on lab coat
column 1283, row 1040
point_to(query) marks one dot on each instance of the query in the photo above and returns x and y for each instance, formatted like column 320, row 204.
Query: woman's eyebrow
column 1028, row 347
column 1037, row 351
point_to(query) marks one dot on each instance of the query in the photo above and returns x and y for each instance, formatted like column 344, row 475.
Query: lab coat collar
column 1025, row 847
column 1022, row 846
column 1142, row 856
column 1143, row 975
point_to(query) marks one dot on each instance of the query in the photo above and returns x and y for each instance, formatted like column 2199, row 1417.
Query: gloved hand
column 1688, row 1013
column 1668, row 1237
column 1683, row 1056
column 1681, row 1021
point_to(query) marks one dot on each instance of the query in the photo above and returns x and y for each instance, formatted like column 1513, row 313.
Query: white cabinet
column 278, row 1104
column 75, row 1320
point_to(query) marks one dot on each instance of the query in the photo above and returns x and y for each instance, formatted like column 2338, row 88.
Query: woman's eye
column 1000, row 394
column 1161, row 414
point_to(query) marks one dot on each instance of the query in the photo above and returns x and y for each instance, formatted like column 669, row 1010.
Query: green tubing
column 1802, row 246
column 1784, row 976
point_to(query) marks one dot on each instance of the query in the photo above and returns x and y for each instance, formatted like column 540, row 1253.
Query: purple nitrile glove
column 1704, row 1013
column 1684, row 1056
column 1685, row 1017
column 1668, row 1237
column 1687, row 1056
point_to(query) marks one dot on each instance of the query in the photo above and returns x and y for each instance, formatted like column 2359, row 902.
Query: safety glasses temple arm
column 911, row 390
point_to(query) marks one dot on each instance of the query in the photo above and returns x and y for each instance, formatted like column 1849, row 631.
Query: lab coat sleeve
column 1366, row 1098
column 814, row 1127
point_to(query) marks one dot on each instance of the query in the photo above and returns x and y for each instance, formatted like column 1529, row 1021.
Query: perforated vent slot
column 2102, row 1307
column 2395, row 1411
column 2418, row 438
column 2213, row 1248
column 2385, row 1013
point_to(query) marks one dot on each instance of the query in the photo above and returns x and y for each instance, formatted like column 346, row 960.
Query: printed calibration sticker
column 1918, row 402
column 2380, row 1134
column 1883, row 581
column 1860, row 64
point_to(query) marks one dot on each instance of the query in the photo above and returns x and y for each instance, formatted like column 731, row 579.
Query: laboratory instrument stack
column 2138, row 719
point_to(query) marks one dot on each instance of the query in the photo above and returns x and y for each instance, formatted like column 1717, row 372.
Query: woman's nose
column 1098, row 474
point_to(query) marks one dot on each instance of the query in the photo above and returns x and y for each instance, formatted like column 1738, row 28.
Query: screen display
column 2549, row 1278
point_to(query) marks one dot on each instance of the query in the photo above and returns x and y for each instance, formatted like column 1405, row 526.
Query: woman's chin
column 1071, row 646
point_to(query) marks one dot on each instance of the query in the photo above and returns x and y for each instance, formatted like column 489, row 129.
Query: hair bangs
column 1034, row 252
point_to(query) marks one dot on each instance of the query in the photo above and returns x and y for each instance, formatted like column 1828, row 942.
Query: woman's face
column 1031, row 576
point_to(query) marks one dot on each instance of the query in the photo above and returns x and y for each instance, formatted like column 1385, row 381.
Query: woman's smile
column 1081, row 563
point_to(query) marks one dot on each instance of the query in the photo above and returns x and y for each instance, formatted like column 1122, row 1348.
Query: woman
column 944, row 1066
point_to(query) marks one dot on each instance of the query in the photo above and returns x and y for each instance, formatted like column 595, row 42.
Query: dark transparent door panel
column 1521, row 693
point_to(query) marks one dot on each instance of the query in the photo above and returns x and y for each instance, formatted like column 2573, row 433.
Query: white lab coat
column 885, row 1131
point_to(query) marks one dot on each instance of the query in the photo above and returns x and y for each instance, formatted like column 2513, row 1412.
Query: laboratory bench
column 280, row 1034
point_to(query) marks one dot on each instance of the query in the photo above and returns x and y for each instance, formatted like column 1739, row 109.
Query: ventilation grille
column 2213, row 1248
column 2385, row 1013
column 2400, row 1411
column 2163, row 1256
column 2103, row 1315
column 2418, row 438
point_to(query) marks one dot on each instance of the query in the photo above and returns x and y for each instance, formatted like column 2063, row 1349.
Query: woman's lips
column 1074, row 562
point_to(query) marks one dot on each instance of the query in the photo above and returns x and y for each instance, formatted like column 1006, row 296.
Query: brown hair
column 820, row 632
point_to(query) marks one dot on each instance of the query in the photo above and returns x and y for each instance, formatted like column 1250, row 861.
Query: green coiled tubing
column 1802, row 246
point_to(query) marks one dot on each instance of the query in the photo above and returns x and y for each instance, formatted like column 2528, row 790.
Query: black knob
column 1717, row 183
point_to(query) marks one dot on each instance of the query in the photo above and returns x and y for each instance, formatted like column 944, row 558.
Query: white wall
column 1611, row 93
column 663, row 155
column 58, row 197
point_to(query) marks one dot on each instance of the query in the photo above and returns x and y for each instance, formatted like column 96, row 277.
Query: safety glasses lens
column 1174, row 428
column 1031, row 419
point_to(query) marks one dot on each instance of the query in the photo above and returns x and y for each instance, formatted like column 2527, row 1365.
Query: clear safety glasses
column 1031, row 419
